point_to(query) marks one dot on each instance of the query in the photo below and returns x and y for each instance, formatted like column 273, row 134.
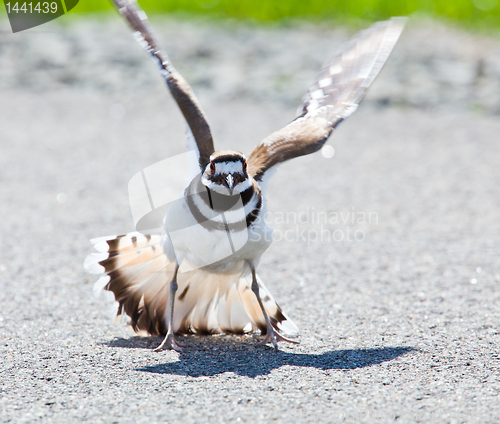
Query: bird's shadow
column 209, row 356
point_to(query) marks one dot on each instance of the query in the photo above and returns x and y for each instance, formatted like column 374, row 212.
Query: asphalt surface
column 386, row 255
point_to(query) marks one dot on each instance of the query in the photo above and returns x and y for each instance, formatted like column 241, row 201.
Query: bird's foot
column 275, row 337
column 170, row 343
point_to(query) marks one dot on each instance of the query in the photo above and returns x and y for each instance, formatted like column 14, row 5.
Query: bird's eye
column 212, row 167
column 245, row 166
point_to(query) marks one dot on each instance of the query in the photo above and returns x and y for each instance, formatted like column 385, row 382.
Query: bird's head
column 227, row 173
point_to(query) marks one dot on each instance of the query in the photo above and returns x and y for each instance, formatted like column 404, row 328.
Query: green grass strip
column 467, row 12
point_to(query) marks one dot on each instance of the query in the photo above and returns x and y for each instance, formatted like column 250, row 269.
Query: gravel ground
column 391, row 267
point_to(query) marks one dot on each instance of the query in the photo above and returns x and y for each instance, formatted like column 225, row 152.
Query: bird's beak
column 229, row 183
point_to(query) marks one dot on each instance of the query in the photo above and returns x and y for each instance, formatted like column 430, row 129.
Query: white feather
column 91, row 263
column 194, row 165
column 228, row 167
column 100, row 284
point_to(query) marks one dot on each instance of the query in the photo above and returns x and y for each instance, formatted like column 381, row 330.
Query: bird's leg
column 271, row 333
column 169, row 340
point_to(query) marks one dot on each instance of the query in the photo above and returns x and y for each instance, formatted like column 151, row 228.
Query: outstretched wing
column 180, row 89
column 335, row 94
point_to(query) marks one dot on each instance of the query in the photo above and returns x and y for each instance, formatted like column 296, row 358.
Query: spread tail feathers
column 137, row 271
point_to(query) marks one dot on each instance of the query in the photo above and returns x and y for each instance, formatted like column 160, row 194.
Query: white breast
column 220, row 251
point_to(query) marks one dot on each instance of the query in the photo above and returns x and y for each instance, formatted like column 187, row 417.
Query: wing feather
column 335, row 94
column 179, row 88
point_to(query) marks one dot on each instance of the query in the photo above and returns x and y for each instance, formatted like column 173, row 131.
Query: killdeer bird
column 203, row 278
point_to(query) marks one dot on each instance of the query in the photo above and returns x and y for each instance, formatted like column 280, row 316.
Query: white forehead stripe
column 228, row 167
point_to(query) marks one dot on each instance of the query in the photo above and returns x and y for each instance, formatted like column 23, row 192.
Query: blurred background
column 448, row 56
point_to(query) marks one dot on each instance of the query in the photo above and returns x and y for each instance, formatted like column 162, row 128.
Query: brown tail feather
column 139, row 273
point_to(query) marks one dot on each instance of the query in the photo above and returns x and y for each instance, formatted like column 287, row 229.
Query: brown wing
column 180, row 89
column 335, row 94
